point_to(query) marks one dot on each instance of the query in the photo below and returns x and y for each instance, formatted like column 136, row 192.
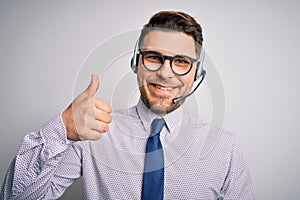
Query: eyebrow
column 166, row 54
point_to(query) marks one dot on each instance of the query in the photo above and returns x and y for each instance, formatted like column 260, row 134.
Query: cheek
column 188, row 79
column 141, row 76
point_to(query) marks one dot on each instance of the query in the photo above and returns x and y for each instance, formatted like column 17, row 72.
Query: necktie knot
column 156, row 126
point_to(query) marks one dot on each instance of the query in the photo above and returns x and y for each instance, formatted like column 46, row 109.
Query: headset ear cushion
column 137, row 62
column 198, row 72
column 132, row 64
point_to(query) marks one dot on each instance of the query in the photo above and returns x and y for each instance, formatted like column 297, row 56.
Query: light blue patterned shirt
column 112, row 167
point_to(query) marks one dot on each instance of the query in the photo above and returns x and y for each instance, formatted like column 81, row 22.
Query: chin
column 160, row 106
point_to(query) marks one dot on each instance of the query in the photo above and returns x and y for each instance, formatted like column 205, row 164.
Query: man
column 135, row 159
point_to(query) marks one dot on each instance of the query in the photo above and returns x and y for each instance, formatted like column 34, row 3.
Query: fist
column 87, row 117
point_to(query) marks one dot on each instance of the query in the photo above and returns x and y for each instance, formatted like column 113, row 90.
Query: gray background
column 253, row 44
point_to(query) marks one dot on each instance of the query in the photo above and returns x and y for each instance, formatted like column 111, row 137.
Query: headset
column 135, row 58
column 199, row 74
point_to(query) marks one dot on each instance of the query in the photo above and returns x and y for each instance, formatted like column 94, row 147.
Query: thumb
column 94, row 85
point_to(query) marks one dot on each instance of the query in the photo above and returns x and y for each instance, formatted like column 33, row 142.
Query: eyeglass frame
column 170, row 58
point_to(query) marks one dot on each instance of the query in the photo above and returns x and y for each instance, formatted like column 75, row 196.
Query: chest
column 186, row 178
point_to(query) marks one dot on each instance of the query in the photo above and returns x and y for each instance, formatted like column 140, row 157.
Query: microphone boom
column 178, row 99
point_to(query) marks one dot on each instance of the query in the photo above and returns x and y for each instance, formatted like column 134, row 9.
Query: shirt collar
column 173, row 120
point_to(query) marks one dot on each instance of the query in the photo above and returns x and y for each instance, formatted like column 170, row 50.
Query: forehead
column 171, row 42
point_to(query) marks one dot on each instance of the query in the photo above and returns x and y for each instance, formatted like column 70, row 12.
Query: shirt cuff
column 55, row 136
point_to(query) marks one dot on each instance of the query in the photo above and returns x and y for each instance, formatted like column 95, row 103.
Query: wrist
column 69, row 123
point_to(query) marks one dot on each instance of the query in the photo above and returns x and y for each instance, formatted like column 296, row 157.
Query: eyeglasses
column 180, row 64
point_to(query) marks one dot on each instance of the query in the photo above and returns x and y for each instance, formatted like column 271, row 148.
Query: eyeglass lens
column 154, row 60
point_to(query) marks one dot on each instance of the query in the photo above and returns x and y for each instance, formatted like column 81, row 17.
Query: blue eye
column 181, row 61
column 153, row 57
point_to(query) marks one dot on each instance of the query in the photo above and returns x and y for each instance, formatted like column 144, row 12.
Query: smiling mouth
column 165, row 88
column 162, row 88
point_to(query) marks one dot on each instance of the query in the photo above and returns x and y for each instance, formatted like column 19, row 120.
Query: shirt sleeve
column 238, row 184
column 36, row 171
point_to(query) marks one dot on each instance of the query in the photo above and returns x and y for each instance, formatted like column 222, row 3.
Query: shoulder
column 211, row 137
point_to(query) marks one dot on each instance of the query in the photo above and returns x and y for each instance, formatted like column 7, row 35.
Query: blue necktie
column 153, row 180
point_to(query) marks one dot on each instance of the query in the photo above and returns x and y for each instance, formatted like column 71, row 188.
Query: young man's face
column 160, row 87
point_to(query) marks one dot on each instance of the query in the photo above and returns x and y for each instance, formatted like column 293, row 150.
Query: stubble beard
column 158, row 105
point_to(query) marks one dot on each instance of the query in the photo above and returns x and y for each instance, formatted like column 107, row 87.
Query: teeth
column 164, row 88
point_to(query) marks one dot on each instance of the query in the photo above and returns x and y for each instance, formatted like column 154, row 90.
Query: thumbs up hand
column 87, row 117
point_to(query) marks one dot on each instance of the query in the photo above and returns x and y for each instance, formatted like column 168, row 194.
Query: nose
column 165, row 71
